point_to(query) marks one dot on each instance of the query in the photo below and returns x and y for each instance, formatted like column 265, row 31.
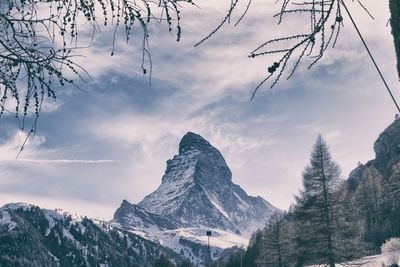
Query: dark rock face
column 355, row 177
column 192, row 141
column 197, row 191
column 387, row 148
column 387, row 156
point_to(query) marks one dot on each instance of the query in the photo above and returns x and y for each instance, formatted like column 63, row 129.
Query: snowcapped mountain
column 30, row 236
column 134, row 217
column 197, row 191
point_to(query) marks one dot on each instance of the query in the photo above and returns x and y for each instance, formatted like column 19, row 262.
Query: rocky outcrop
column 387, row 156
column 387, row 148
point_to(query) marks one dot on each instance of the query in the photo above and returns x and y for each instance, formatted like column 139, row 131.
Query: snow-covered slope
column 196, row 195
column 192, row 243
column 197, row 191
column 30, row 236
column 134, row 218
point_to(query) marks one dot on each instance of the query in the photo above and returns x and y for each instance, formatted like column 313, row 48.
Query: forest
column 332, row 220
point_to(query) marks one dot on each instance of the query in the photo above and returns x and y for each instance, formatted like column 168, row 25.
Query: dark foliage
column 33, row 242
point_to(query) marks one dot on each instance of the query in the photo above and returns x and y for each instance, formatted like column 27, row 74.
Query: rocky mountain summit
column 197, row 191
column 387, row 157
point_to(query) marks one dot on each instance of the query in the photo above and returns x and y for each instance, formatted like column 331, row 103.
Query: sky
column 110, row 141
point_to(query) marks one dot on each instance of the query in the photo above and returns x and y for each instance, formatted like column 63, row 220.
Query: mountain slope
column 375, row 186
column 133, row 217
column 197, row 191
column 30, row 236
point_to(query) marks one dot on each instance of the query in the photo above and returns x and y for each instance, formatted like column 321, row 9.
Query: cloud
column 67, row 161
column 12, row 144
column 111, row 142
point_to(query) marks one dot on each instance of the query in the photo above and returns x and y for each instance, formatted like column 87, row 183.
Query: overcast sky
column 95, row 148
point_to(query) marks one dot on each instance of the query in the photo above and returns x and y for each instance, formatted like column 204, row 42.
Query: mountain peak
column 192, row 141
column 197, row 190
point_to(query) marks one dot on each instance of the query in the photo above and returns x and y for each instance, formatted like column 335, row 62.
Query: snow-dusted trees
column 317, row 207
column 369, row 203
column 277, row 243
column 322, row 227
column 391, row 202
column 378, row 203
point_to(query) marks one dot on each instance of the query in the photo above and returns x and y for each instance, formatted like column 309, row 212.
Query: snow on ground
column 370, row 261
column 179, row 241
column 220, row 239
column 52, row 216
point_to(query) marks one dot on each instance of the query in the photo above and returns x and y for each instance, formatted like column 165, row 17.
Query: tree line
column 331, row 221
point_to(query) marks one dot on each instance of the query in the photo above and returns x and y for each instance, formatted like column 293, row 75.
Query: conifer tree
column 317, row 208
column 276, row 243
column 391, row 202
column 369, row 200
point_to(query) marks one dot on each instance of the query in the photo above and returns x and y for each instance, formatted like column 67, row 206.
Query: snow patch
column 18, row 205
column 5, row 219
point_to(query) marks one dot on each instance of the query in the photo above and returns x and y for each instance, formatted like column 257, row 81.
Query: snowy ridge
column 47, row 237
column 17, row 205
column 135, row 218
column 197, row 190
column 53, row 217
column 6, row 221
column 184, row 240
column 219, row 239
column 192, row 243
column 196, row 194
column 175, row 187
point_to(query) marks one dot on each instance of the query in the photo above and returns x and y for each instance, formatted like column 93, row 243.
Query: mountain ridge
column 31, row 236
column 196, row 190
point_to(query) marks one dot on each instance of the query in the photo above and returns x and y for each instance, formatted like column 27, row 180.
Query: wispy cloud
column 111, row 141
column 65, row 161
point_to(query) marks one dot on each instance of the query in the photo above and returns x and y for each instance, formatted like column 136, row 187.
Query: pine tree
column 163, row 261
column 276, row 243
column 348, row 239
column 317, row 208
column 391, row 202
column 369, row 200
column 249, row 258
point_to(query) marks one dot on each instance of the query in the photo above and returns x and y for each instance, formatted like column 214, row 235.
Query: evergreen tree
column 317, row 208
column 249, row 258
column 369, row 200
column 276, row 247
column 391, row 203
column 163, row 261
column 349, row 235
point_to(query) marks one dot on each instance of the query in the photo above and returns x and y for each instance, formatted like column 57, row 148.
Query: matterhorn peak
column 197, row 190
column 193, row 141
